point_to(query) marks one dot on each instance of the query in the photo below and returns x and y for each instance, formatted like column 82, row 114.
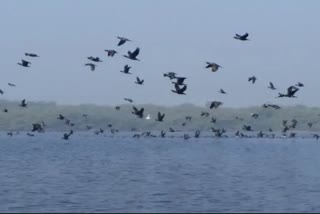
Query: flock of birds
column 180, row 88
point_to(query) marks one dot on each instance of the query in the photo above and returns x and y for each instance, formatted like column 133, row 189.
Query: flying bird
column 31, row 54
column 179, row 90
column 171, row 75
column 255, row 115
column 23, row 103
column 222, row 91
column 60, row 117
column 128, row 99
column 242, row 37
column 126, row 69
column 215, row 104
column 271, row 86
column 214, row 66
column 10, row 84
column 1, row 92
column 139, row 81
column 67, row 135
column 160, row 117
column 137, row 112
column 95, row 59
column 111, row 53
column 290, row 92
column 24, row 63
column 92, row 66
column 253, row 79
column 123, row 40
column 133, row 55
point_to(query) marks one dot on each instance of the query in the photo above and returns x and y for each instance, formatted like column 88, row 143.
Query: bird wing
column 135, row 53
column 183, row 88
column 245, row 36
column 121, row 42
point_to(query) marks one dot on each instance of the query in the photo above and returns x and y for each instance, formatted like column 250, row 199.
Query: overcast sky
column 173, row 36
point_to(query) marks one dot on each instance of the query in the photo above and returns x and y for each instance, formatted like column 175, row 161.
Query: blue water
column 91, row 173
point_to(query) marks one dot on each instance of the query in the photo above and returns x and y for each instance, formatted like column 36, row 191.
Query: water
column 91, row 173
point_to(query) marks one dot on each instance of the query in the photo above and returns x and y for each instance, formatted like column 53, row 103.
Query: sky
column 173, row 36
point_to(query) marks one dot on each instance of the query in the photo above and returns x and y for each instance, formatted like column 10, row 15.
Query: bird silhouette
column 111, row 53
column 137, row 112
column 123, row 40
column 215, row 104
column 242, row 37
column 92, row 66
column 253, row 79
column 94, row 59
column 160, row 117
column 23, row 103
column 133, row 55
column 24, row 63
column 31, row 54
column 126, row 69
column 290, row 92
column 139, row 81
column 271, row 86
column 214, row 66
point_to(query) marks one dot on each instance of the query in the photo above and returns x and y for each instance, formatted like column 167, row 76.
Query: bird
column 67, row 135
column 60, row 117
column 162, row 134
column 316, row 136
column 123, row 40
column 188, row 118
column 137, row 112
column 309, row 124
column 253, row 79
column 290, row 92
column 274, row 106
column 37, row 127
column 92, row 66
column 10, row 84
column 95, row 59
column 117, row 108
column 128, row 99
column 179, row 90
column 242, row 37
column 222, row 91
column 271, row 86
column 171, row 129
column 133, row 55
column 111, row 53
column 24, row 63
column 299, row 84
column 213, row 120
column 30, row 135
column 214, row 66
column 171, row 75
column 23, row 103
column 160, row 117
column 126, row 69
column 215, row 104
column 5, row 110
column 139, row 81
column 203, row 113
column 246, row 128
column 179, row 81
column 31, row 54
column 197, row 134
column 255, row 115
column 1, row 92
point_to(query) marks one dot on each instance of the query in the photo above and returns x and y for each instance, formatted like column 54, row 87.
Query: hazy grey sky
column 178, row 36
